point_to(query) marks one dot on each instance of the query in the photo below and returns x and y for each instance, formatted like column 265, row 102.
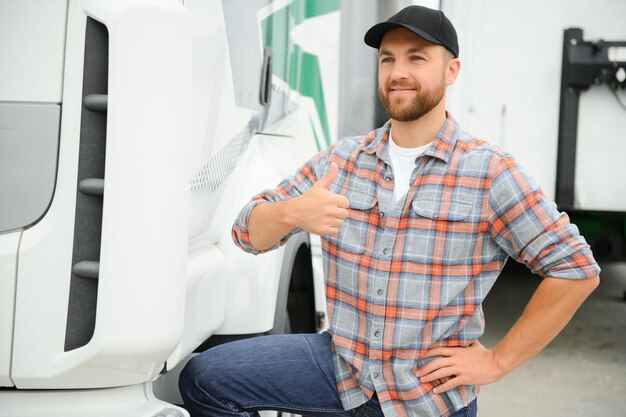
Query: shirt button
column 388, row 178
column 380, row 292
column 436, row 216
column 376, row 374
column 382, row 214
column 377, row 333
column 386, row 251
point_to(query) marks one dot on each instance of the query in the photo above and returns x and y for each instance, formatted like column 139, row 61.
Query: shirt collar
column 441, row 148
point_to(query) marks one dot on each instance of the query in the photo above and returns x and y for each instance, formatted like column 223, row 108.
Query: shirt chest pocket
column 440, row 231
column 360, row 225
column 453, row 211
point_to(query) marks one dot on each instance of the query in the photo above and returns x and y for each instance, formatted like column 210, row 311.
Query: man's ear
column 453, row 66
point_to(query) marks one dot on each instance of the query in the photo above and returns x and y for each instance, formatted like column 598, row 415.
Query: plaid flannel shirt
column 408, row 276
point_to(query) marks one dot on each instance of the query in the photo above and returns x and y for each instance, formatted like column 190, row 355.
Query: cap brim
column 374, row 36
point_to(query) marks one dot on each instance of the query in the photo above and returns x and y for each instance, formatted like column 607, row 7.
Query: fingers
column 473, row 365
column 438, row 374
column 341, row 213
column 328, row 210
column 442, row 351
column 327, row 180
column 332, row 232
column 330, row 176
column 440, row 369
column 331, row 222
column 333, row 213
column 337, row 223
column 343, row 202
column 433, row 366
column 448, row 385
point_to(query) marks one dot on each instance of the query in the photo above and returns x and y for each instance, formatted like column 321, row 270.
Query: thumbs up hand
column 327, row 180
column 319, row 210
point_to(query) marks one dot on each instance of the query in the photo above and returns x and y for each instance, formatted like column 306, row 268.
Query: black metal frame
column 585, row 63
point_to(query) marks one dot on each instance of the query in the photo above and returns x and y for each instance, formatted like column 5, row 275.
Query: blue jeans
column 292, row 373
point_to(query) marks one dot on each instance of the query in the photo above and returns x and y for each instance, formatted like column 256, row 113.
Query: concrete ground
column 581, row 373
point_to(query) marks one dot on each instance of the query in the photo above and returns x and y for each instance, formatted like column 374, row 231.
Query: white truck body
column 509, row 87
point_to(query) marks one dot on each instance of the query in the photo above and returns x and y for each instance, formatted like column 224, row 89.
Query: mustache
column 396, row 84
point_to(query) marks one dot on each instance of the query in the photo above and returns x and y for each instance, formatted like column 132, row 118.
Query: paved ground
column 581, row 373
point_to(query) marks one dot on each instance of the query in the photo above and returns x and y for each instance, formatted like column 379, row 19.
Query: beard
column 423, row 102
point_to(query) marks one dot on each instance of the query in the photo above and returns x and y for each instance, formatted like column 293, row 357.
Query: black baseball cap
column 429, row 24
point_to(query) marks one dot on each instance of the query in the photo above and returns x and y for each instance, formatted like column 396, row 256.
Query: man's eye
column 385, row 60
column 416, row 58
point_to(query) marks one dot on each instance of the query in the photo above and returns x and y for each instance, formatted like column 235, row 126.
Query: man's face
column 412, row 75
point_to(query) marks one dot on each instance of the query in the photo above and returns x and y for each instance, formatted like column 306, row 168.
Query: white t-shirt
column 403, row 163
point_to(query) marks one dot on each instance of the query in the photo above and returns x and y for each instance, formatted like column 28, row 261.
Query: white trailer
column 545, row 81
column 131, row 134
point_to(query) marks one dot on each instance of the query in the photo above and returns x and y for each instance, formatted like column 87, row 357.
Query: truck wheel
column 295, row 304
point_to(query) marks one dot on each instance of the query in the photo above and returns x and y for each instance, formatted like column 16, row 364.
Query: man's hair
column 447, row 54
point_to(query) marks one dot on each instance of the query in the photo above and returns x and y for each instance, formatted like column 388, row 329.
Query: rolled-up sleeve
column 290, row 187
column 528, row 226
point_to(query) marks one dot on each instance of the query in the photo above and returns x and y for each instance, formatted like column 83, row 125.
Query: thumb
column 330, row 176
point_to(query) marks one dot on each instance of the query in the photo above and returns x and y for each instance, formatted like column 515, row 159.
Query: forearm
column 269, row 223
column 317, row 211
column 549, row 310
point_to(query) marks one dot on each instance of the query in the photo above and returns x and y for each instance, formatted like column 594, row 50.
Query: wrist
column 502, row 364
column 267, row 225
column 287, row 213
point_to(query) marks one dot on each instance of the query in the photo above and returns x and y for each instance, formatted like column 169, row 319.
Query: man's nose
column 399, row 71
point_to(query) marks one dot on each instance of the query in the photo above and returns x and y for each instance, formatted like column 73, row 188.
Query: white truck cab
column 131, row 134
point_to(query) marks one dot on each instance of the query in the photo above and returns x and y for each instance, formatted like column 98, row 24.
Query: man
column 417, row 220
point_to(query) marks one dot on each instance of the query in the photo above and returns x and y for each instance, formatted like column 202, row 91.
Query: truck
column 131, row 134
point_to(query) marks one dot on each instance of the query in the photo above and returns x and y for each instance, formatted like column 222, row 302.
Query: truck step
column 96, row 102
column 87, row 269
column 92, row 186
